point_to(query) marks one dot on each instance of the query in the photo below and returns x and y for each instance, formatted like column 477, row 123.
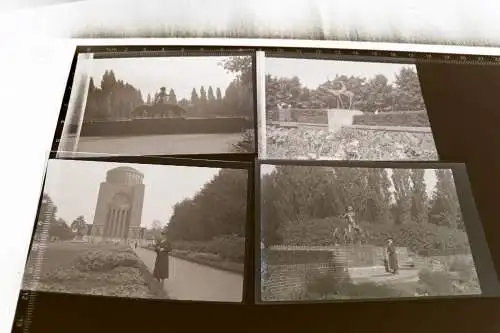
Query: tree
column 148, row 100
column 377, row 94
column 403, row 195
column 60, row 229
column 408, row 93
column 445, row 207
column 78, row 226
column 108, row 81
column 210, row 94
column 114, row 99
column 194, row 97
column 172, row 98
column 196, row 218
column 240, row 101
column 219, row 94
column 419, row 196
column 156, row 225
column 378, row 201
column 202, row 103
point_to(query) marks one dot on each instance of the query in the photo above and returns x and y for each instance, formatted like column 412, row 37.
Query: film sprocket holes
column 337, row 233
column 448, row 105
column 103, row 228
column 161, row 103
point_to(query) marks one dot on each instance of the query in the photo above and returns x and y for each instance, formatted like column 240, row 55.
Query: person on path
column 392, row 258
column 162, row 249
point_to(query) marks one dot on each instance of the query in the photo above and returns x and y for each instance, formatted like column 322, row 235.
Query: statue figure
column 342, row 91
column 161, row 97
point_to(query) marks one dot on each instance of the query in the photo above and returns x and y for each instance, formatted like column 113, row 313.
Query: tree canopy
column 219, row 208
column 116, row 99
column 292, row 195
column 370, row 94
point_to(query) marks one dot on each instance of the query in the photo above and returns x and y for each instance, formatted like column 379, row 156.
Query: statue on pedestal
column 162, row 96
column 338, row 93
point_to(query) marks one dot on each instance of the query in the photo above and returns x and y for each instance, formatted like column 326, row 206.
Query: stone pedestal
column 341, row 117
column 285, row 115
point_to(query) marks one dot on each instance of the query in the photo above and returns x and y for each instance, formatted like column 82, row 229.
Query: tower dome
column 124, row 176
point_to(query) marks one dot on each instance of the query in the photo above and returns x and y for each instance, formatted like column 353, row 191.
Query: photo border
column 29, row 300
column 300, row 55
column 489, row 277
column 171, row 51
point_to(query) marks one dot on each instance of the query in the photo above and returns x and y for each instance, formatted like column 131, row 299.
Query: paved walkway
column 195, row 282
column 377, row 274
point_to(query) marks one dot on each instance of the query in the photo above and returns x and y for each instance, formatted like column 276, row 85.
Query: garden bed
column 94, row 270
column 349, row 144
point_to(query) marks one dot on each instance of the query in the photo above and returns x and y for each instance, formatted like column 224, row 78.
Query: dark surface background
column 463, row 106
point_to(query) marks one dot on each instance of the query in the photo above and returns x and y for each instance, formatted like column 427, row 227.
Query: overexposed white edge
column 260, row 91
column 426, row 48
column 81, row 80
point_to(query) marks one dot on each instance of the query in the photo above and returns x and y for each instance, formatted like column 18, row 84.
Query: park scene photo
column 166, row 106
column 330, row 234
column 320, row 109
column 140, row 231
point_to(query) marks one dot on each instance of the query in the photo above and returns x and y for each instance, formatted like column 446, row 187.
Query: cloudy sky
column 180, row 73
column 313, row 72
column 430, row 176
column 74, row 186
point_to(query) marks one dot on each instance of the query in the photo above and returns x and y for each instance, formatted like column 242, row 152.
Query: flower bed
column 348, row 144
column 105, row 271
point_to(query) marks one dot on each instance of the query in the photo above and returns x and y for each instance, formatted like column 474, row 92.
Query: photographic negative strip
column 359, row 233
column 327, row 109
column 133, row 230
column 163, row 103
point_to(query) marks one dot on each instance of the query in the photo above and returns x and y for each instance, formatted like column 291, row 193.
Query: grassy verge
column 106, row 270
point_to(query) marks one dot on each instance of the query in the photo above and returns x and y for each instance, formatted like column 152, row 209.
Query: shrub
column 105, row 260
column 436, row 283
column 227, row 247
column 372, row 290
column 349, row 144
column 423, row 239
column 409, row 118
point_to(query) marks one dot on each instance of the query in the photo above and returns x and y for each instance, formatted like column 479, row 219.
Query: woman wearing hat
column 162, row 249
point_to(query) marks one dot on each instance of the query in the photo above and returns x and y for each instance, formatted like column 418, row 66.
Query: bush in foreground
column 349, row 144
column 107, row 272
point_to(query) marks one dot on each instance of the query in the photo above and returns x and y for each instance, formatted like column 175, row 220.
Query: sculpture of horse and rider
column 350, row 234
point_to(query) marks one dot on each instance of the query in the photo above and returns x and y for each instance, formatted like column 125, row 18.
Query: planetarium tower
column 119, row 206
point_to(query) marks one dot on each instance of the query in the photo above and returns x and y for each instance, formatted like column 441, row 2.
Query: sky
column 180, row 73
column 74, row 187
column 313, row 72
column 429, row 176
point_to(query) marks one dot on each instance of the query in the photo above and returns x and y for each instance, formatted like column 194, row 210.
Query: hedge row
column 422, row 239
column 228, row 247
column 409, row 118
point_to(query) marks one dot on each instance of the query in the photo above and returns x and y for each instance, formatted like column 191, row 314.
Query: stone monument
column 119, row 206
column 343, row 115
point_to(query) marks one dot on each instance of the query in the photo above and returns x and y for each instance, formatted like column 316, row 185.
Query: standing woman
column 162, row 250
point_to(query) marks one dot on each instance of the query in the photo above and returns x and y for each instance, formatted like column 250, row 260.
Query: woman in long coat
column 162, row 250
column 392, row 264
